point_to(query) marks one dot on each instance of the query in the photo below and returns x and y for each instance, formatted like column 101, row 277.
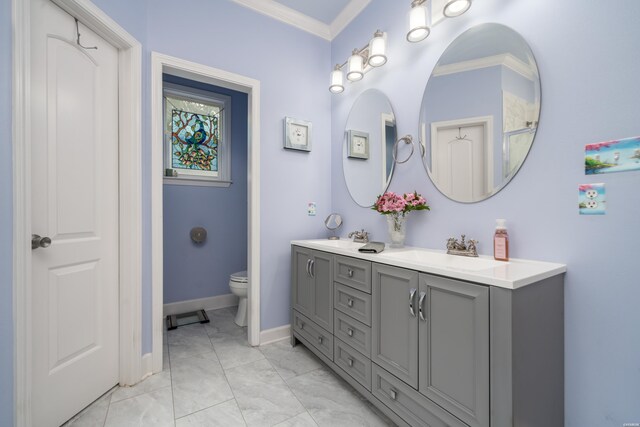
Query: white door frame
column 130, row 191
column 487, row 123
column 160, row 64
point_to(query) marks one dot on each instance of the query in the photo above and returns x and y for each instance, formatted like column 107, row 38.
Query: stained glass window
column 194, row 141
column 195, row 130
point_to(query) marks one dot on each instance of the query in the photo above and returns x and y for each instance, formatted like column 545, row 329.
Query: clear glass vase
column 397, row 225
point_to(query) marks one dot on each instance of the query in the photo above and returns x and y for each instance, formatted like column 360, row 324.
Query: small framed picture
column 297, row 134
column 358, row 144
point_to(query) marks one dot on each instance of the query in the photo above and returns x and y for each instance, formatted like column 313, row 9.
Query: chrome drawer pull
column 350, row 361
column 412, row 296
column 421, row 305
column 308, row 267
column 350, row 272
column 393, row 394
column 350, row 332
column 320, row 338
column 301, row 325
column 350, row 302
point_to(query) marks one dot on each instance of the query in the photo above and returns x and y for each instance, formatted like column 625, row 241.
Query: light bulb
column 337, row 81
column 455, row 8
column 418, row 28
column 378, row 49
column 354, row 72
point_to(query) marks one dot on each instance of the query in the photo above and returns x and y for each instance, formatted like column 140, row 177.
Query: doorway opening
column 244, row 98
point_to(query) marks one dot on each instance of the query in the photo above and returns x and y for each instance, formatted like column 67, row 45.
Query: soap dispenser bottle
column 501, row 241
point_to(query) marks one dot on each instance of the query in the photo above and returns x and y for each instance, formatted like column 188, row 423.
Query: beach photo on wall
column 619, row 155
column 591, row 199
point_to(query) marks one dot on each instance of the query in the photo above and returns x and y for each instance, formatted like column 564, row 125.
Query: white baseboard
column 276, row 334
column 147, row 365
column 211, row 303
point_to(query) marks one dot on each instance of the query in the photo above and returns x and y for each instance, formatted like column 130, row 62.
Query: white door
column 74, row 134
column 461, row 161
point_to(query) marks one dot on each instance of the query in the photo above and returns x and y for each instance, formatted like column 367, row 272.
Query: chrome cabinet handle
column 412, row 295
column 393, row 394
column 308, row 269
column 320, row 338
column 40, row 242
column 350, row 272
column 301, row 323
column 312, row 268
column 350, row 361
column 350, row 332
column 350, row 302
column 421, row 306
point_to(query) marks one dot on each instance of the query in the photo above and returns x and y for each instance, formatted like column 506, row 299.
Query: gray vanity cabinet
column 313, row 285
column 454, row 347
column 394, row 340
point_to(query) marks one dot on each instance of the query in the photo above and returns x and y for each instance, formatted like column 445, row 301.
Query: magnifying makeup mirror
column 333, row 222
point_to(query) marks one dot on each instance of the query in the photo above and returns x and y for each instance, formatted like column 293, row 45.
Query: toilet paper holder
column 198, row 234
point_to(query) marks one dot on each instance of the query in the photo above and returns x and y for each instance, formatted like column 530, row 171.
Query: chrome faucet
column 359, row 236
column 455, row 247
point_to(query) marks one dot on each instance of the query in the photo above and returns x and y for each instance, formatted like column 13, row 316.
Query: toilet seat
column 239, row 277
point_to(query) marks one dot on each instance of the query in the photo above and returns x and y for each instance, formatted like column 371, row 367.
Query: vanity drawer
column 353, row 363
column 410, row 405
column 355, row 303
column 353, row 272
column 352, row 332
column 313, row 333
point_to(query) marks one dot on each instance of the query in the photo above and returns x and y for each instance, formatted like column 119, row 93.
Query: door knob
column 39, row 242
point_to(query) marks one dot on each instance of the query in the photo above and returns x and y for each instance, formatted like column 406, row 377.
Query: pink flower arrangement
column 396, row 204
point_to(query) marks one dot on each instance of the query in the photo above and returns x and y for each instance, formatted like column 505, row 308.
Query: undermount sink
column 443, row 260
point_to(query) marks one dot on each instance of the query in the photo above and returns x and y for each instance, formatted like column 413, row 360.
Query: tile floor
column 212, row 377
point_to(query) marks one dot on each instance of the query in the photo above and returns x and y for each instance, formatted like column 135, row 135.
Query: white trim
column 195, row 182
column 304, row 22
column 276, row 334
column 210, row 303
column 505, row 59
column 348, row 14
column 130, row 93
column 178, row 67
column 487, row 123
column 147, row 365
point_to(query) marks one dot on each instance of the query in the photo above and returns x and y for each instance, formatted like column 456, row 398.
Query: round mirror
column 480, row 112
column 367, row 159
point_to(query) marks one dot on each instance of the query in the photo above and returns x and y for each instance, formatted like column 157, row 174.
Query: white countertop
column 512, row 274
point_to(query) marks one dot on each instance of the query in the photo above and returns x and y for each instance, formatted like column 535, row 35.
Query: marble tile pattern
column 212, row 377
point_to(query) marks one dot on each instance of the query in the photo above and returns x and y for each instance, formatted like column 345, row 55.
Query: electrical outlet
column 591, row 199
column 311, row 209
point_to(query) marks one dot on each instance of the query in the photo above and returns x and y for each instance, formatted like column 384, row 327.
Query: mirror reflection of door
column 462, row 158
column 389, row 138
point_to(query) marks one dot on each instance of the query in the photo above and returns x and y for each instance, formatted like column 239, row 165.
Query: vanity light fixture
column 337, row 80
column 455, row 8
column 362, row 60
column 355, row 71
column 419, row 28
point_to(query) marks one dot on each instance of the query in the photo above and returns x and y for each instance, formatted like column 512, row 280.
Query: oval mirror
column 480, row 112
column 367, row 160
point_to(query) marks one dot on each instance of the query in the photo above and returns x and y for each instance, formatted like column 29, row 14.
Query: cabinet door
column 301, row 278
column 394, row 327
column 454, row 347
column 321, row 269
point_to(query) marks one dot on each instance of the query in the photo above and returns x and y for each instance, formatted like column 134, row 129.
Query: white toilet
column 238, row 283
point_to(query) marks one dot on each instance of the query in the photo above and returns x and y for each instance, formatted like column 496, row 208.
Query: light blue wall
column 6, row 220
column 292, row 68
column 590, row 93
column 202, row 270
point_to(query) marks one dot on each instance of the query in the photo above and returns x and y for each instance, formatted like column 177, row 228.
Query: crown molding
column 505, row 59
column 303, row 22
column 347, row 15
